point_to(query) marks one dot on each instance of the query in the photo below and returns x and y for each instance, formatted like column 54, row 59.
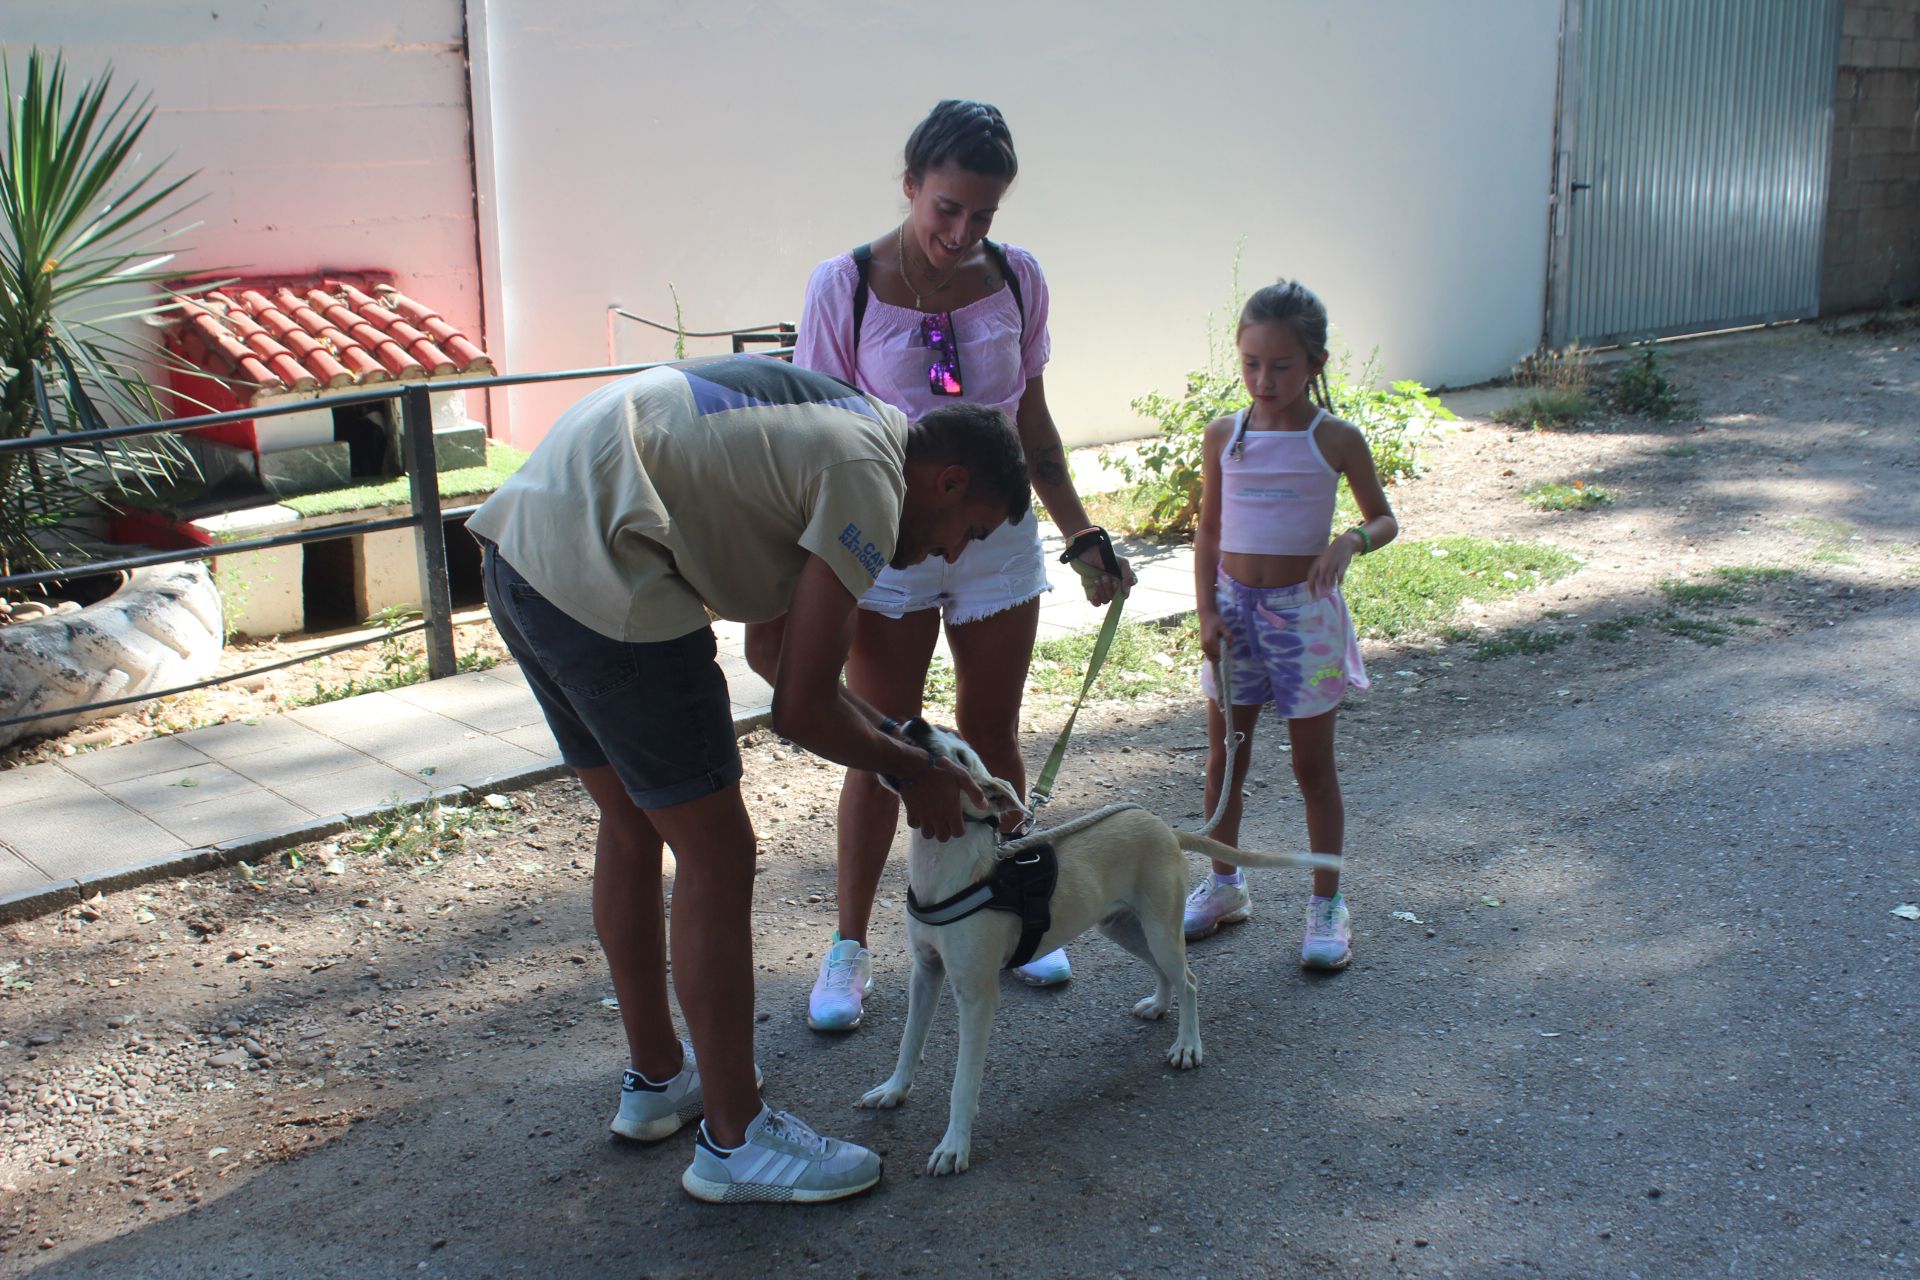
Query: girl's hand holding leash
column 1213, row 632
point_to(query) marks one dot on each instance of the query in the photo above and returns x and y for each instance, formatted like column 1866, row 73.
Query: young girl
column 1268, row 578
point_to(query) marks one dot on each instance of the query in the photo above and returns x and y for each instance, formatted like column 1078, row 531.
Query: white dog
column 1120, row 868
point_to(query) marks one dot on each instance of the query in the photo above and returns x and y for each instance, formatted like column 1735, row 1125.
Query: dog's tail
column 1195, row 843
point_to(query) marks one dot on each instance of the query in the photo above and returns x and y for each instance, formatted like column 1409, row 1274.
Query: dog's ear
column 918, row 732
column 1002, row 797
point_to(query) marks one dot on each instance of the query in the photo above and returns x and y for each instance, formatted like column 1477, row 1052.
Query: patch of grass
column 403, row 661
column 1575, row 496
column 1699, row 630
column 1544, row 408
column 1121, row 511
column 1681, row 450
column 1413, row 588
column 1698, row 594
column 421, row 835
column 1742, row 620
column 1614, row 630
column 1754, row 575
column 1513, row 640
column 502, row 461
column 1145, row 659
column 1642, row 387
column 1829, row 536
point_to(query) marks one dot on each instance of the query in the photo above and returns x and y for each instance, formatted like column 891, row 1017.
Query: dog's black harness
column 1021, row 884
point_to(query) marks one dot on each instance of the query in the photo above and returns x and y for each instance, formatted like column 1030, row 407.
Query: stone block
column 386, row 570
column 263, row 591
column 458, row 447
column 292, row 430
column 307, row 468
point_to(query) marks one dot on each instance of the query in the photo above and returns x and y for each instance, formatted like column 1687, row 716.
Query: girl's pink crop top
column 1276, row 492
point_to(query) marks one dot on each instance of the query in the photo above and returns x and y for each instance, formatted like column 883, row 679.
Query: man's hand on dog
column 933, row 800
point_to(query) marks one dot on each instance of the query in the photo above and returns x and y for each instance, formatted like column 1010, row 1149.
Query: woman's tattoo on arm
column 1050, row 466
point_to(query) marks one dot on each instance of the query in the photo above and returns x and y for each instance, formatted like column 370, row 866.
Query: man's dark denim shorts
column 659, row 713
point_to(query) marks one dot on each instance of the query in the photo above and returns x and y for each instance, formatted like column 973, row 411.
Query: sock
column 718, row 1149
column 1239, row 876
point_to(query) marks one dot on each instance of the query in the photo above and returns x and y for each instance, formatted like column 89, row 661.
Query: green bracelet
column 1366, row 542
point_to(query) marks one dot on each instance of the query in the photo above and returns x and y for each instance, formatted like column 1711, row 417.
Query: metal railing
column 426, row 517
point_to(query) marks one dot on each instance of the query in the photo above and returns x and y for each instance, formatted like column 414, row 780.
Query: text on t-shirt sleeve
column 855, row 522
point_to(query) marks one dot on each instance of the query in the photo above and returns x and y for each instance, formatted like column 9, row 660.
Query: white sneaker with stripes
column 782, row 1160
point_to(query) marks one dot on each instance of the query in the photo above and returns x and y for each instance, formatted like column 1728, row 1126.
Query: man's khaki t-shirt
column 675, row 491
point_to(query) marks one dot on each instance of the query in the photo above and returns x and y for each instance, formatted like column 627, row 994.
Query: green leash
column 1043, row 785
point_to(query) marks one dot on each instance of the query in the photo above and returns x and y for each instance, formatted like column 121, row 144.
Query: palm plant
column 81, row 245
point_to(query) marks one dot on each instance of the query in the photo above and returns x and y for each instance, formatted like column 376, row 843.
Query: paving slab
column 17, row 875
column 244, row 815
column 462, row 759
column 475, row 699
column 369, row 783
column 380, row 724
column 34, row 783
column 135, row 760
column 108, row 846
column 536, row 738
column 241, row 740
column 182, row 788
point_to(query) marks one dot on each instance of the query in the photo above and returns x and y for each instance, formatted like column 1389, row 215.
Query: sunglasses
column 936, row 334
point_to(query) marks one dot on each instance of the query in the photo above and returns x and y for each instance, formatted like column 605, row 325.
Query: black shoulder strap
column 1013, row 282
column 862, row 261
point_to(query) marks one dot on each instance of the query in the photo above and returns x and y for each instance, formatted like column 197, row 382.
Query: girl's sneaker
column 783, row 1159
column 1214, row 903
column 1049, row 970
column 649, row 1112
column 1328, row 937
column 846, row 975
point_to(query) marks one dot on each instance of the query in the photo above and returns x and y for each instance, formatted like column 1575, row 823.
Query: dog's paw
column 1184, row 1057
column 884, row 1096
column 1151, row 1008
column 950, row 1156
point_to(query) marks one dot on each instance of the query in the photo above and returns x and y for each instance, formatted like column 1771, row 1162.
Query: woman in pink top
column 928, row 313
column 1267, row 573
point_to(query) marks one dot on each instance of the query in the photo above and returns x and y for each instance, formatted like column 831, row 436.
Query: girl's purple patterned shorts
column 1289, row 649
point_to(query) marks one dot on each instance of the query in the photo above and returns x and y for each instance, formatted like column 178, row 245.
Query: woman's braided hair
column 959, row 131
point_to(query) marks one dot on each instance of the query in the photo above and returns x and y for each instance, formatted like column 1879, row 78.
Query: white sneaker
column 1327, row 944
column 649, row 1112
column 782, row 1160
column 1049, row 970
column 846, row 975
column 1212, row 904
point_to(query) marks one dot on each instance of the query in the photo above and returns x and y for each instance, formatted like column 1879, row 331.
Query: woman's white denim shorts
column 991, row 576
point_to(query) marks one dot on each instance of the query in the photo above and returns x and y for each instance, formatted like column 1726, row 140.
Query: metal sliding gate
column 1690, row 176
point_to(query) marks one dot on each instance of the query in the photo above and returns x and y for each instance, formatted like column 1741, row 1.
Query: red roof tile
column 285, row 335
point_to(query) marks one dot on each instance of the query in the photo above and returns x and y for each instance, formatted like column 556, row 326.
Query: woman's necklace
column 900, row 243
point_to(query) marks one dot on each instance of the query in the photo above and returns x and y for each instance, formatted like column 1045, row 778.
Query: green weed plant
column 1575, row 496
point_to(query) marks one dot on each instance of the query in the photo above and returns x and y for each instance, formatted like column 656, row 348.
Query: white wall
column 329, row 135
column 1395, row 154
